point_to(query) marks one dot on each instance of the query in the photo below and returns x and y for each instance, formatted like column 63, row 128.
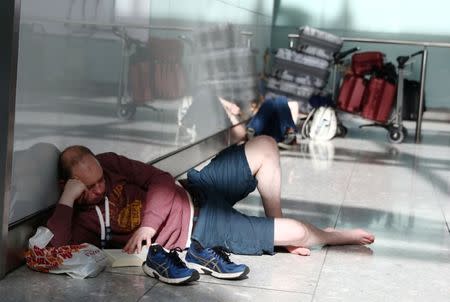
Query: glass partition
column 137, row 77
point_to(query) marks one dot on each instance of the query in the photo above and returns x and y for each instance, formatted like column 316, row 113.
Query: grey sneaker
column 290, row 139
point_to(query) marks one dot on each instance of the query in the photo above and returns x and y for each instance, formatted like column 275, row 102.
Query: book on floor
column 119, row 258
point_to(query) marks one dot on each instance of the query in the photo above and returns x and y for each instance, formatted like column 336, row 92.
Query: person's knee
column 259, row 150
column 289, row 231
column 266, row 142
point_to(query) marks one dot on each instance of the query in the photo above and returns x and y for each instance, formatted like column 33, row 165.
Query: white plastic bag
column 78, row 261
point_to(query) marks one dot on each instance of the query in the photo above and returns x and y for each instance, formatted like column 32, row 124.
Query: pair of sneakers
column 167, row 266
column 289, row 139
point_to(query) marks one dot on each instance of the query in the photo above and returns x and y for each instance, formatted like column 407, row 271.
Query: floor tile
column 219, row 293
column 282, row 271
column 395, row 275
column 27, row 285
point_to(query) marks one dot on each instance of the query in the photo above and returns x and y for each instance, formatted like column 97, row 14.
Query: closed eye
column 102, row 179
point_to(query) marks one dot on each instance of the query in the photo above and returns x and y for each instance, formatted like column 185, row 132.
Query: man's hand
column 73, row 190
column 135, row 242
column 230, row 107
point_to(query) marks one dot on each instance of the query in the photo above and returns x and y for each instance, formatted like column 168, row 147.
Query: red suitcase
column 365, row 62
column 351, row 94
column 388, row 100
column 379, row 99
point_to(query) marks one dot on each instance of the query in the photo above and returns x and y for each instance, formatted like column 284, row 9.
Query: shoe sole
column 285, row 146
column 153, row 273
column 205, row 270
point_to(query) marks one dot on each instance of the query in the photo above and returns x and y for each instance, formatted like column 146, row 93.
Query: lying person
column 112, row 201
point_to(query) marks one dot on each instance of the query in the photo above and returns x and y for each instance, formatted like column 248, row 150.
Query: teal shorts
column 226, row 180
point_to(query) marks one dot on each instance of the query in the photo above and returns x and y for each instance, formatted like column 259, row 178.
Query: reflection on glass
column 137, row 77
column 322, row 154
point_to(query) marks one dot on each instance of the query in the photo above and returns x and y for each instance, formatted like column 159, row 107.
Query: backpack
column 321, row 124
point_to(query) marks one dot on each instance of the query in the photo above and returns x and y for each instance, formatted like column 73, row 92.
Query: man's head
column 79, row 162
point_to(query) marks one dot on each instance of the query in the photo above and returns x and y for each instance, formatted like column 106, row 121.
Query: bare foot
column 302, row 251
column 354, row 236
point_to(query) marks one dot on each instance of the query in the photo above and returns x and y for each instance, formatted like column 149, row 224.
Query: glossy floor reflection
column 398, row 192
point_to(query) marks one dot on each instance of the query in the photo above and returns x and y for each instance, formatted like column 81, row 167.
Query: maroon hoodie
column 139, row 195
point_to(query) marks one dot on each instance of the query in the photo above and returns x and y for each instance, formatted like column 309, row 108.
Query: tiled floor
column 398, row 192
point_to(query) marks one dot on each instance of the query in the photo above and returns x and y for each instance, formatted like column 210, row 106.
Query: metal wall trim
column 9, row 39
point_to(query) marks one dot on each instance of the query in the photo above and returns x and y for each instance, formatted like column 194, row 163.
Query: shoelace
column 222, row 253
column 173, row 256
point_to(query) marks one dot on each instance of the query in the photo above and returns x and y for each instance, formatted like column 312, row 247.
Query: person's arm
column 60, row 223
column 233, row 111
column 161, row 191
column 159, row 200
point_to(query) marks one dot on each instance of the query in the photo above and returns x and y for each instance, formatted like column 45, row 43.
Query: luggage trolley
column 135, row 80
column 126, row 106
column 375, row 99
column 338, row 63
column 396, row 131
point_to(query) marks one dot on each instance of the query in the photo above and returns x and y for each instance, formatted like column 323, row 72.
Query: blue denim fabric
column 273, row 118
column 223, row 182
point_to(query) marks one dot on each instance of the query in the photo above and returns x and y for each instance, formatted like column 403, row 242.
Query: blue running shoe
column 214, row 261
column 167, row 266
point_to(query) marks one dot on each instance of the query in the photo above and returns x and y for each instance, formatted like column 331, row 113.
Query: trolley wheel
column 341, row 130
column 396, row 135
column 126, row 112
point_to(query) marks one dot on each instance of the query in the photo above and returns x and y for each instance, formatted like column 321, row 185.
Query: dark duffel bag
column 367, row 62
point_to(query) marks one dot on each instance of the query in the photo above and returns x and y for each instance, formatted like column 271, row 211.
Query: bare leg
column 263, row 158
column 264, row 161
column 300, row 236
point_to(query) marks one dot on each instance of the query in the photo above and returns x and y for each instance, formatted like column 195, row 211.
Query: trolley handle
column 127, row 38
column 342, row 54
column 401, row 60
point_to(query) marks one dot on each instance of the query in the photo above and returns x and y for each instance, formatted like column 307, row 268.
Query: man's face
column 89, row 172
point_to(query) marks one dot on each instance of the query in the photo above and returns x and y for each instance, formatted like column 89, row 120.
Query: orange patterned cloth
column 46, row 259
column 78, row 261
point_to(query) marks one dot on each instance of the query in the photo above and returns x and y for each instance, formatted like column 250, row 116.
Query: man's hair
column 69, row 158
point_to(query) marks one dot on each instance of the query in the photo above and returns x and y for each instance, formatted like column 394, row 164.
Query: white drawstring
column 107, row 222
column 105, row 226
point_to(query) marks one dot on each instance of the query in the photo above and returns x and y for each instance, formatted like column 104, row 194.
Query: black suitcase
column 411, row 97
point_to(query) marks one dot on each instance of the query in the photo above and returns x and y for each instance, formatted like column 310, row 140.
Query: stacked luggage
column 303, row 70
column 227, row 63
column 370, row 89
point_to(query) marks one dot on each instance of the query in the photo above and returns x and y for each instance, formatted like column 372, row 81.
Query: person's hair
column 69, row 158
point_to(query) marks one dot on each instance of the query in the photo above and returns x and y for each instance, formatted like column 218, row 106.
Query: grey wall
column 384, row 19
column 9, row 28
